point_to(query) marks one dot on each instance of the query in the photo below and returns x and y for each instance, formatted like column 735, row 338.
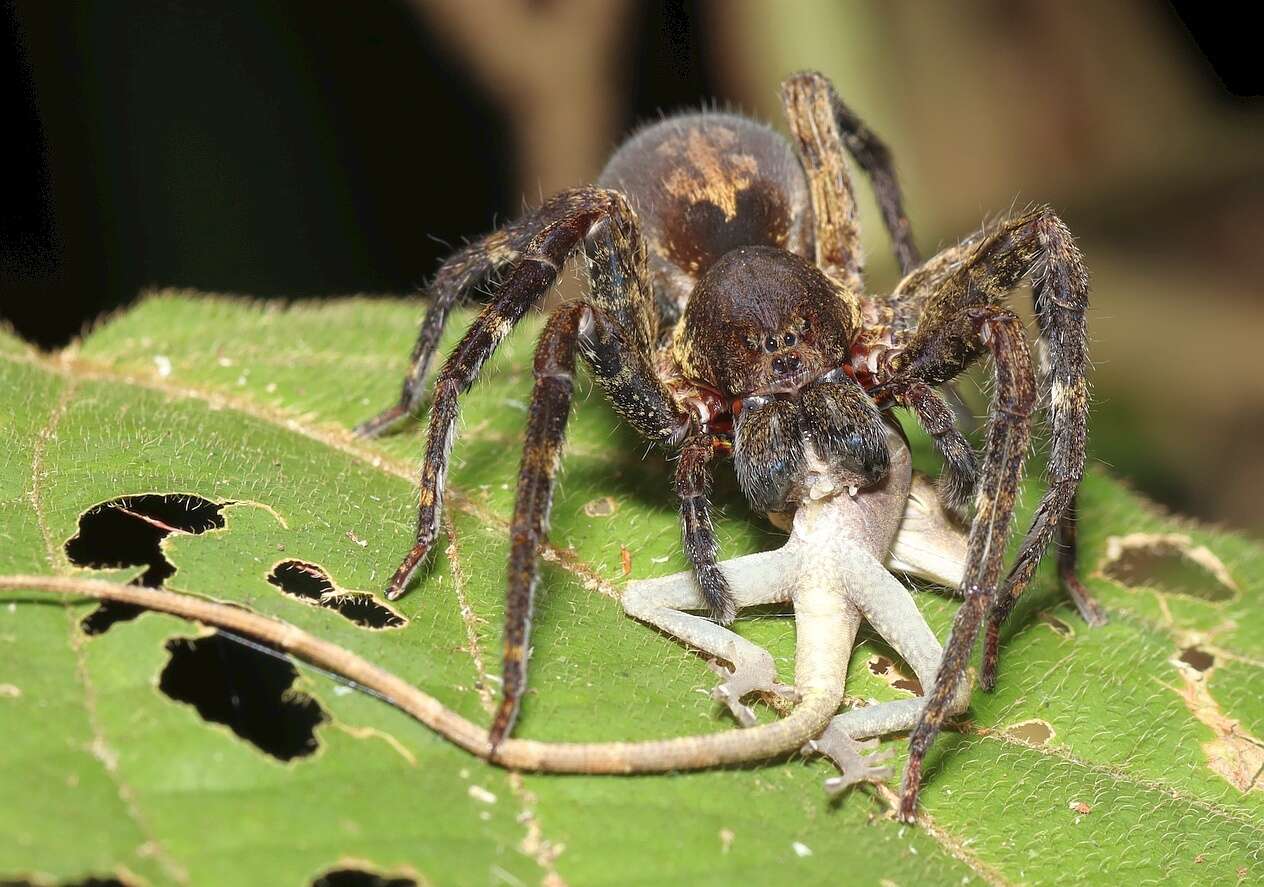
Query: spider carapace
column 726, row 315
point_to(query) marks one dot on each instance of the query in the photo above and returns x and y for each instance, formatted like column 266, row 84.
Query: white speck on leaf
column 478, row 793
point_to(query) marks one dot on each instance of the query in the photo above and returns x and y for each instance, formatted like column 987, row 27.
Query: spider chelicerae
column 726, row 316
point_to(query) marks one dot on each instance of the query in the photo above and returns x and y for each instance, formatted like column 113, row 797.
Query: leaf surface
column 1103, row 753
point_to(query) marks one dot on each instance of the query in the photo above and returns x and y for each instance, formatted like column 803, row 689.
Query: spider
column 726, row 317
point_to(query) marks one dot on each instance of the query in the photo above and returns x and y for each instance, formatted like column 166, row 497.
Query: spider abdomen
column 704, row 184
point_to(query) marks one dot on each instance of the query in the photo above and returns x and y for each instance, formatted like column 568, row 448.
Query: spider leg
column 991, row 262
column 541, row 455
column 611, row 331
column 969, row 331
column 530, row 279
column 587, row 328
column 822, row 127
column 472, row 266
column 961, row 470
column 693, row 486
column 1061, row 296
column 875, row 159
column 531, row 276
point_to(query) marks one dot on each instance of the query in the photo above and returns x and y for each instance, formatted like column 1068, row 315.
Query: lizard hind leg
column 890, row 609
column 755, row 580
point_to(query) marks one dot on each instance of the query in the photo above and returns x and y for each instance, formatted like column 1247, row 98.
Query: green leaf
column 1103, row 753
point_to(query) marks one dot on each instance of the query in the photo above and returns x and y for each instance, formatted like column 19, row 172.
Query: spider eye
column 770, row 344
column 789, row 339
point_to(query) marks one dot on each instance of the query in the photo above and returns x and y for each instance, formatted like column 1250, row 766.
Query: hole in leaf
column 360, row 878
column 128, row 532
column 308, row 582
column 1199, row 660
column 1034, row 732
column 245, row 689
column 889, row 671
column 1169, row 564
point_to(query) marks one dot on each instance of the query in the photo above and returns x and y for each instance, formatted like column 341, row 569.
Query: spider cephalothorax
column 771, row 334
column 763, row 320
column 727, row 314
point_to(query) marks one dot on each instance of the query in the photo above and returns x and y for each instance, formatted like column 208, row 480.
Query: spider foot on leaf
column 857, row 761
column 750, row 674
column 380, row 424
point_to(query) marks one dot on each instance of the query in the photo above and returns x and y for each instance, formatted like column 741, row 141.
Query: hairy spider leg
column 530, row 279
column 554, row 370
column 1035, row 245
column 612, row 331
column 616, row 260
column 875, row 159
column 472, row 266
column 970, row 331
column 1060, row 288
column 821, row 126
column 693, row 488
column 961, row 469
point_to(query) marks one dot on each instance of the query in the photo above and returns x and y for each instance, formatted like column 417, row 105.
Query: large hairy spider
column 727, row 316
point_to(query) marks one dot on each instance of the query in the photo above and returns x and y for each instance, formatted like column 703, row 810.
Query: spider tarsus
column 908, row 809
column 909, row 791
column 502, row 723
column 398, row 585
column 381, row 423
column 719, row 597
column 1090, row 610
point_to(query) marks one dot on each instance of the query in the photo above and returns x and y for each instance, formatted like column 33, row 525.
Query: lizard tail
column 732, row 746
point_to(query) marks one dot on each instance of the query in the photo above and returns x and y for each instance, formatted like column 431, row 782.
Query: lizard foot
column 750, row 674
column 857, row 761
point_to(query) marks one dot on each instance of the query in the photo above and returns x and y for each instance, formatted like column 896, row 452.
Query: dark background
column 303, row 149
